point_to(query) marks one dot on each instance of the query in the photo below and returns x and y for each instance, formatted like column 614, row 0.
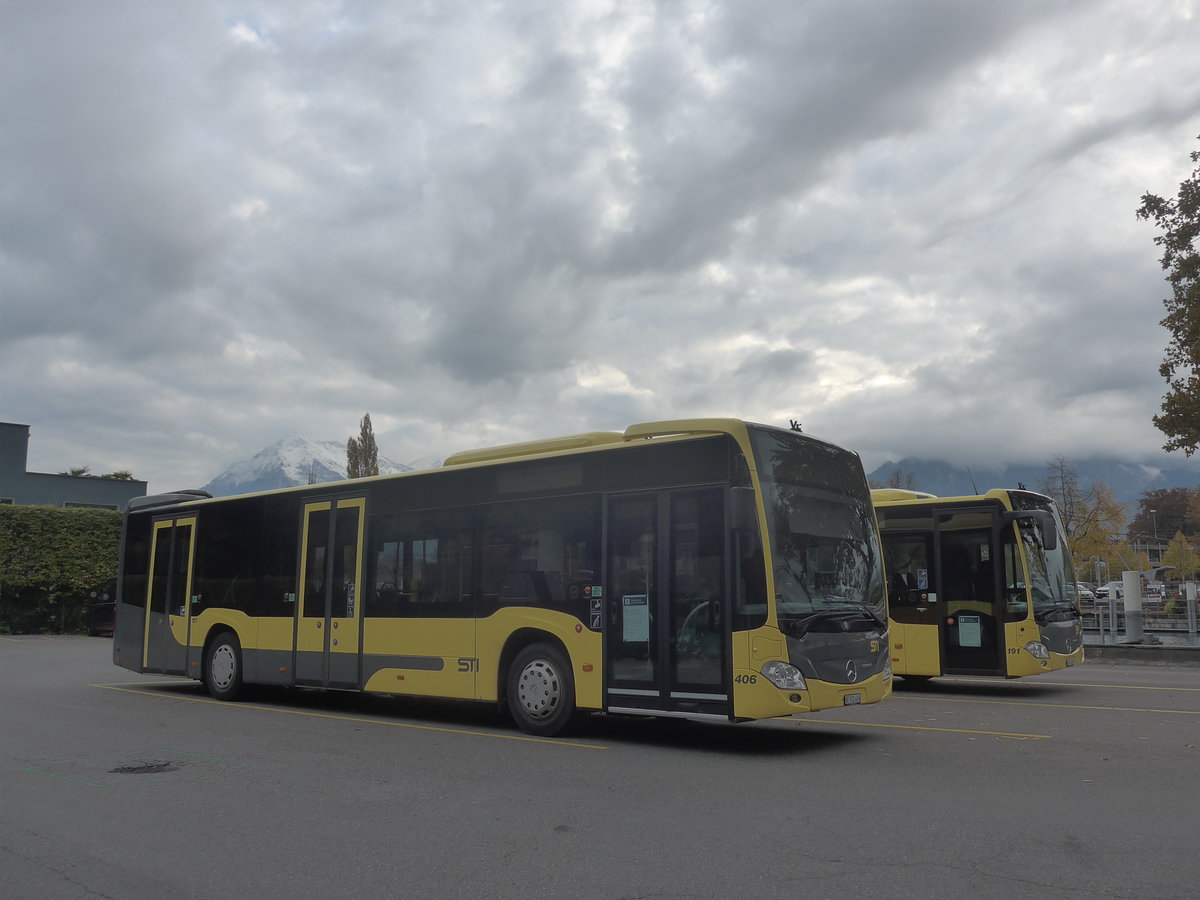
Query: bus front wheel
column 223, row 667
column 541, row 690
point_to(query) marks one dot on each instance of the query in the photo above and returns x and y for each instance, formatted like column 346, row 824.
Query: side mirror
column 1044, row 521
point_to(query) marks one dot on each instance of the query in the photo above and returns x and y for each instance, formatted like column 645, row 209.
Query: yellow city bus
column 978, row 585
column 704, row 568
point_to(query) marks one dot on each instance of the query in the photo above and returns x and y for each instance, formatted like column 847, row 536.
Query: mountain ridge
column 1127, row 480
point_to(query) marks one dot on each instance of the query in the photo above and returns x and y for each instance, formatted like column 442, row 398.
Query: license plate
column 851, row 699
column 1070, row 662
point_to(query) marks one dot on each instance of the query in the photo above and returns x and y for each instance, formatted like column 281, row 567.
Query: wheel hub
column 224, row 665
column 539, row 689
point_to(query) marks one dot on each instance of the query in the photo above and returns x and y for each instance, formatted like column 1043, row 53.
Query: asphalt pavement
column 1075, row 784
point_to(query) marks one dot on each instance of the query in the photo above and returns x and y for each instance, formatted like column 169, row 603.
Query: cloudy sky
column 909, row 225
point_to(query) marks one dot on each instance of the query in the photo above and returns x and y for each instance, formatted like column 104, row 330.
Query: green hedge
column 51, row 560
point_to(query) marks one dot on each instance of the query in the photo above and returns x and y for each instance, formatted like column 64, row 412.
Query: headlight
column 887, row 668
column 1038, row 650
column 784, row 676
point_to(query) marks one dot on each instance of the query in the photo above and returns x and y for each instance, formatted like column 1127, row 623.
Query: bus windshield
column 1051, row 572
column 821, row 529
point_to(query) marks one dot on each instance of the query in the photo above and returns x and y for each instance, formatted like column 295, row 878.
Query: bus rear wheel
column 541, row 690
column 223, row 667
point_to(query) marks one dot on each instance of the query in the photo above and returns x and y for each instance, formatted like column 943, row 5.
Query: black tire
column 223, row 667
column 541, row 690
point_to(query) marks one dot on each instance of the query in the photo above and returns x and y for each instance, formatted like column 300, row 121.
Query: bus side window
column 421, row 566
column 541, row 553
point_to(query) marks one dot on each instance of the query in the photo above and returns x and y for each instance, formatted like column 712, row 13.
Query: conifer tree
column 362, row 456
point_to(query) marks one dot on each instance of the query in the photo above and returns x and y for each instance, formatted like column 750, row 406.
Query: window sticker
column 922, row 579
column 970, row 634
column 636, row 618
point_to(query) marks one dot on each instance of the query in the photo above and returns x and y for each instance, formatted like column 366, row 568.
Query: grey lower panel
column 276, row 667
column 263, row 666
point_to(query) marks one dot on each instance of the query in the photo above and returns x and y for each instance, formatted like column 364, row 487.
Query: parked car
column 101, row 614
column 1084, row 593
column 1116, row 587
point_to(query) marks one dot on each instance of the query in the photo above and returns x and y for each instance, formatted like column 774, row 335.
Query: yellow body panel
column 247, row 628
column 470, row 652
column 915, row 649
column 273, row 634
column 447, row 640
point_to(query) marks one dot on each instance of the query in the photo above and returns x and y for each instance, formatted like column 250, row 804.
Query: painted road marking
column 124, row 688
column 1174, row 712
column 1014, row 735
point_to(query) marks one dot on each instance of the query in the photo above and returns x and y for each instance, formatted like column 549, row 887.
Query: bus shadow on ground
column 767, row 737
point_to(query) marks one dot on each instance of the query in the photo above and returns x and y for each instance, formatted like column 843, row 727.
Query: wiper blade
column 801, row 627
column 866, row 611
column 1058, row 614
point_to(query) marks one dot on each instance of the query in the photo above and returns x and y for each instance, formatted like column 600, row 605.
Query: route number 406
column 746, row 679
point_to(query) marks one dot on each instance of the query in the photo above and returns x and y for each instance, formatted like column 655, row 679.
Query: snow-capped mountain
column 289, row 462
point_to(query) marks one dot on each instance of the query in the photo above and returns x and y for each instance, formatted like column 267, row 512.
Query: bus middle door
column 330, row 607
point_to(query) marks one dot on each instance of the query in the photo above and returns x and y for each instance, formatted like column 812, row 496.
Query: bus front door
column 168, row 601
column 329, row 611
column 666, row 630
column 972, row 617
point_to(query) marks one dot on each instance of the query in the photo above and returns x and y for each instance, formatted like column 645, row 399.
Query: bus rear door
column 168, row 601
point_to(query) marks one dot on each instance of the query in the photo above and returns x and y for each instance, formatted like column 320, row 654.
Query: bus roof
column 640, row 431
column 896, row 496
column 591, row 440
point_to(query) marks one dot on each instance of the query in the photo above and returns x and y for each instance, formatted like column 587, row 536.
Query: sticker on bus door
column 970, row 633
column 636, row 608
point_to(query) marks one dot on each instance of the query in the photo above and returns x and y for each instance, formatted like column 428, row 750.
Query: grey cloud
column 502, row 222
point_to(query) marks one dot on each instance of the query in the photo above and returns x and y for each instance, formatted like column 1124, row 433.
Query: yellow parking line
column 1015, row 735
column 123, row 687
column 1116, row 687
column 1176, row 712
